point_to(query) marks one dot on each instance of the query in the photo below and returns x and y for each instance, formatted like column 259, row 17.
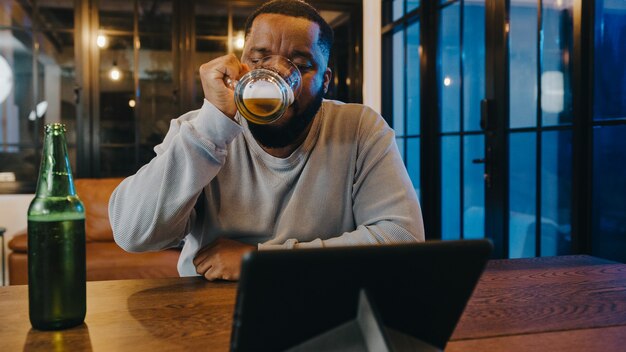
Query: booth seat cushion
column 107, row 261
column 19, row 243
column 95, row 194
column 18, row 268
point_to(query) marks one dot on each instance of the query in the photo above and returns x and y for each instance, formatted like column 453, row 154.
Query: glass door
column 461, row 86
column 486, row 127
column 608, row 126
column 527, row 118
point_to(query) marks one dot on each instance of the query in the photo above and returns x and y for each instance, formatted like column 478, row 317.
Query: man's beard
column 271, row 136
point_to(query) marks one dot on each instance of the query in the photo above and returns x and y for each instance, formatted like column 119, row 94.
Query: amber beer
column 263, row 106
column 263, row 94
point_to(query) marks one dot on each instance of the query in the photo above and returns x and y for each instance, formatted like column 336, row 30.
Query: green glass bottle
column 56, row 241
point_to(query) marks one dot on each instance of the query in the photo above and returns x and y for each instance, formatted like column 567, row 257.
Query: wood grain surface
column 525, row 296
column 178, row 314
column 586, row 340
column 571, row 303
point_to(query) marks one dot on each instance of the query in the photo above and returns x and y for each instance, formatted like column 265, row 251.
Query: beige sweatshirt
column 345, row 185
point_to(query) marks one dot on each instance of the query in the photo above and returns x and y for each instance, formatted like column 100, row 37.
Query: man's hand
column 221, row 259
column 213, row 75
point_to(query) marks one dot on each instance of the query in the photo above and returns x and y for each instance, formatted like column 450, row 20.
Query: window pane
column 155, row 17
column 240, row 15
column 57, row 14
column 556, row 184
column 146, row 153
column 22, row 162
column 450, row 188
column 117, row 122
column 398, row 9
column 117, row 15
column 158, row 102
column 158, row 99
column 556, row 95
column 117, row 161
column 610, row 51
column 523, row 63
column 473, row 188
column 211, row 19
column 413, row 79
column 57, row 81
column 413, row 163
column 341, row 61
column 398, row 82
column 206, row 50
column 450, row 82
column 609, row 193
column 412, row 5
column 522, row 194
column 473, row 63
column 117, row 119
column 16, row 91
column 392, row 10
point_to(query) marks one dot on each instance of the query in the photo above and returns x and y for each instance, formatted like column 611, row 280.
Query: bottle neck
column 55, row 173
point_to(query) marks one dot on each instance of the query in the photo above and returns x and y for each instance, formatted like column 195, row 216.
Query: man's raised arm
column 153, row 209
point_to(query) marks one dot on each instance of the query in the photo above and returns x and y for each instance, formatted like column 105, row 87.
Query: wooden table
column 569, row 303
column 175, row 314
column 572, row 303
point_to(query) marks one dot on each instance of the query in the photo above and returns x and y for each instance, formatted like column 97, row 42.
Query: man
column 325, row 174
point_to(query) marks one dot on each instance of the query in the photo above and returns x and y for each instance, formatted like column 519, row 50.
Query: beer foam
column 262, row 90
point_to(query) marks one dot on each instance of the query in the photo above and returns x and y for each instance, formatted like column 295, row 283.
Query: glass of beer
column 263, row 95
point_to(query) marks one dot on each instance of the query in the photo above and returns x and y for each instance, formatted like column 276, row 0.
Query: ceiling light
column 102, row 41
column 115, row 74
column 240, row 40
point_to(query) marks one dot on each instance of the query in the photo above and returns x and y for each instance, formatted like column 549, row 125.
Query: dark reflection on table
column 185, row 313
column 74, row 339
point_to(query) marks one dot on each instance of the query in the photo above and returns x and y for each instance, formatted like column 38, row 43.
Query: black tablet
column 288, row 297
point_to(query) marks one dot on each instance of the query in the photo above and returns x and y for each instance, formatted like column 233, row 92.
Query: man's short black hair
column 296, row 8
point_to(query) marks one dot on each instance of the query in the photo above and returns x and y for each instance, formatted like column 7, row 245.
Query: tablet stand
column 364, row 333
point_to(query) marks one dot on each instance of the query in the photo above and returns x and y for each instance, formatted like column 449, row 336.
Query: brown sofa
column 105, row 259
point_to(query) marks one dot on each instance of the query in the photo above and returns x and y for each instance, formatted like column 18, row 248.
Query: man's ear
column 328, row 75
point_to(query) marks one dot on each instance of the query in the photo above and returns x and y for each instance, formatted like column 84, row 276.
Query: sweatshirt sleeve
column 153, row 209
column 385, row 206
